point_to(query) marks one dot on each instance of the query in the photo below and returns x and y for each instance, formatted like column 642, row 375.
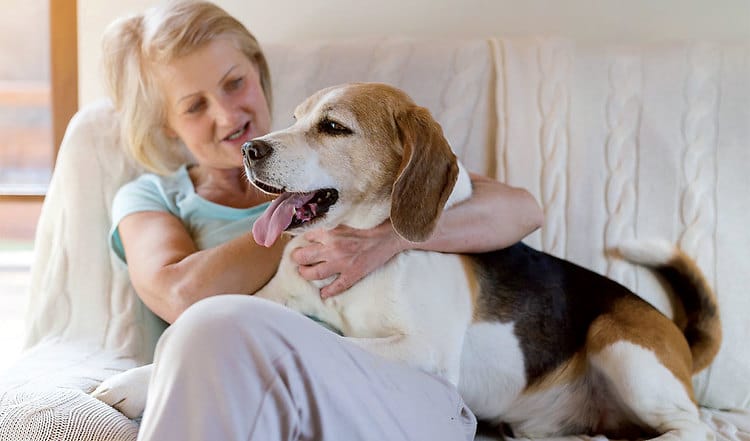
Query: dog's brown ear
column 426, row 176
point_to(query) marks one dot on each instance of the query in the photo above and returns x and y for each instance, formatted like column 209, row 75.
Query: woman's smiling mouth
column 238, row 133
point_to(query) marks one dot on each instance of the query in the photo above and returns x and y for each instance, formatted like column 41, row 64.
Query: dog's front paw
column 126, row 391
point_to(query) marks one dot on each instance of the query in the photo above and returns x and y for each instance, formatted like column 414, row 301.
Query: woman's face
column 215, row 103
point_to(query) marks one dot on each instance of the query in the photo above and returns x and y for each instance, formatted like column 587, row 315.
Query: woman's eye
column 235, row 84
column 333, row 128
column 196, row 107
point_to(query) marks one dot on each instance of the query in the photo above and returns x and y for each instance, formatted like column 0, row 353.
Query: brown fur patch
column 703, row 329
column 426, row 177
column 637, row 322
column 474, row 287
column 565, row 373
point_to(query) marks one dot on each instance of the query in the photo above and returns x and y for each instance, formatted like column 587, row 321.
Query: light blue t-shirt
column 208, row 223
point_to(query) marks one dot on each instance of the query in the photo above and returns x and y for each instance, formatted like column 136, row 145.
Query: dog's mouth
column 290, row 210
column 268, row 188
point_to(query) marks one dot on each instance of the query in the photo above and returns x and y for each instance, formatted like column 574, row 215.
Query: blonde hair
column 132, row 49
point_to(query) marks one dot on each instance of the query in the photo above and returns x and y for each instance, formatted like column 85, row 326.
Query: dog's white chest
column 415, row 293
column 350, row 312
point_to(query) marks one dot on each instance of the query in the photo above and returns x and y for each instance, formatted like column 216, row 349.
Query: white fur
column 411, row 287
column 646, row 387
column 461, row 189
column 302, row 169
column 653, row 252
column 492, row 369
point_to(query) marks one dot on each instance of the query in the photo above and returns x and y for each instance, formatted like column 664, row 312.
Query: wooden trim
column 63, row 66
column 21, row 197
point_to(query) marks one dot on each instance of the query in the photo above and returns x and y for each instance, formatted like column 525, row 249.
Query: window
column 38, row 95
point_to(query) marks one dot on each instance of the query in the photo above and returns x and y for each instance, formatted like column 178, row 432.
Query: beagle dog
column 534, row 343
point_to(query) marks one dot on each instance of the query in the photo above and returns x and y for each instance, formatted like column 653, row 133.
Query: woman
column 187, row 76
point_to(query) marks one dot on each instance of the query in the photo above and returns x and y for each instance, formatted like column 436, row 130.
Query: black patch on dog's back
column 551, row 301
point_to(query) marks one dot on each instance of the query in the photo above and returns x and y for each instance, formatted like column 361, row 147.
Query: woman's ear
column 169, row 133
column 426, row 177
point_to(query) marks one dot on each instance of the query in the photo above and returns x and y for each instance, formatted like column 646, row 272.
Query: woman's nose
column 225, row 113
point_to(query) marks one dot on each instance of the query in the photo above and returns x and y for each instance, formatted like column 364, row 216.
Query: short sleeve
column 142, row 194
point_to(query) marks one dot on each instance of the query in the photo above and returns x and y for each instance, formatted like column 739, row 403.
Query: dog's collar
column 326, row 325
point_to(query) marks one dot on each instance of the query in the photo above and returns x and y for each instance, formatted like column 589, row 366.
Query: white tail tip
column 649, row 252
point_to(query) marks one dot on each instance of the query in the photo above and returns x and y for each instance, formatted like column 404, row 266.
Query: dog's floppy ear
column 426, row 176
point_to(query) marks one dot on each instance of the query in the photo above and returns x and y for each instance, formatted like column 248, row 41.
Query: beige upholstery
column 615, row 142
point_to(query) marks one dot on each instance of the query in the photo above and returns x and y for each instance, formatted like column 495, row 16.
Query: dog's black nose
column 256, row 149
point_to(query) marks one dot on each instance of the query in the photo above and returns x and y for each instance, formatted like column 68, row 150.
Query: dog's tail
column 703, row 328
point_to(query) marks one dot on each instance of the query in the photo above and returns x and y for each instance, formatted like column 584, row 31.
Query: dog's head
column 356, row 155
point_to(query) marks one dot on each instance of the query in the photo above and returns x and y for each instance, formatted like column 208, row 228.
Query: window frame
column 63, row 67
column 63, row 23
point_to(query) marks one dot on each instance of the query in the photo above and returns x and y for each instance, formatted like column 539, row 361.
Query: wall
column 289, row 20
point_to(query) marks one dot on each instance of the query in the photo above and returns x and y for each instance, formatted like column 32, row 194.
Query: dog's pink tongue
column 277, row 217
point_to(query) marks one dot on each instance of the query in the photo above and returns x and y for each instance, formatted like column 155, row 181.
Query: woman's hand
column 347, row 252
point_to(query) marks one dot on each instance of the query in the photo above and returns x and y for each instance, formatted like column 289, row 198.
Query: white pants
column 235, row 367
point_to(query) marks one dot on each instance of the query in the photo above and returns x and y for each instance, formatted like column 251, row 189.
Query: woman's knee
column 220, row 323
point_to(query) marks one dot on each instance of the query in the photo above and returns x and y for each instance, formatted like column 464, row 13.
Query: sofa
column 615, row 141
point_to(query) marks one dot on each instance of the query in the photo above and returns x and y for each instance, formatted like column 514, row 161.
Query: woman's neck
column 227, row 187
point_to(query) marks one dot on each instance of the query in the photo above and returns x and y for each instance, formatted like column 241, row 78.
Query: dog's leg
column 413, row 352
column 126, row 391
column 650, row 391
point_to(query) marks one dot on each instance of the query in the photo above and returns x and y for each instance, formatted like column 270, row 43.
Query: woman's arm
column 169, row 273
column 495, row 217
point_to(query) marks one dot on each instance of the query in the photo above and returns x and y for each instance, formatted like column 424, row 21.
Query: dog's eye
column 333, row 128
